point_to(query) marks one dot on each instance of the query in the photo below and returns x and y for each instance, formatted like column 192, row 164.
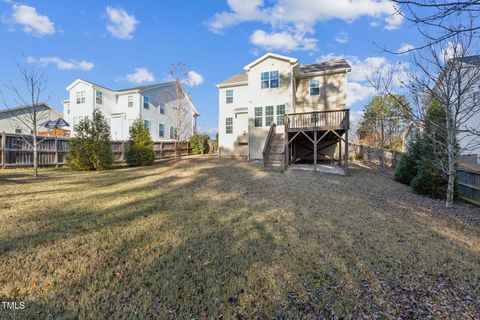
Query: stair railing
column 268, row 141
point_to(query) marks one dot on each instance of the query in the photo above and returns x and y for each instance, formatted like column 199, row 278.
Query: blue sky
column 128, row 43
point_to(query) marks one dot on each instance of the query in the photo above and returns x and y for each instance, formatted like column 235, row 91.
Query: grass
column 211, row 238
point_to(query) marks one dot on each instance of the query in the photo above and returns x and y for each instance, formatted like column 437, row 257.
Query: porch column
column 339, row 152
column 315, row 150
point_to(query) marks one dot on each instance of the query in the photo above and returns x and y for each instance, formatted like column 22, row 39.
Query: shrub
column 406, row 168
column 429, row 181
column 90, row 149
column 139, row 150
column 199, row 144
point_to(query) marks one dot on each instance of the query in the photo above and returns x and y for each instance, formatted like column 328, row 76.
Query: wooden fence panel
column 468, row 181
column 15, row 150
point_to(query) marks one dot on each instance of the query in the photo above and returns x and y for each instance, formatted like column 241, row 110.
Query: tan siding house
column 276, row 93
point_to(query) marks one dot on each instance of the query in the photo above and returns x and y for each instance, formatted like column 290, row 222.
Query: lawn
column 211, row 238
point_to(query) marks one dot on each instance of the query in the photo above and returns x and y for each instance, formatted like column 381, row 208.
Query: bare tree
column 29, row 95
column 443, row 72
column 181, row 115
column 440, row 20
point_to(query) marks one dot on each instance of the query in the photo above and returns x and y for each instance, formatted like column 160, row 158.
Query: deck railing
column 318, row 120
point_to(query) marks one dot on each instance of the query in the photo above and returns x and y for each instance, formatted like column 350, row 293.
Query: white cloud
column 140, row 76
column 282, row 41
column 121, row 25
column 194, row 78
column 342, row 37
column 452, row 50
column 355, row 116
column 31, row 21
column 61, row 64
column 405, row 47
column 357, row 92
column 289, row 18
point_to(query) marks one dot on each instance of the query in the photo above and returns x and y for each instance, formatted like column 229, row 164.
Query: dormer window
column 314, row 87
column 270, row 79
column 80, row 97
column 145, row 103
column 229, row 96
column 98, row 97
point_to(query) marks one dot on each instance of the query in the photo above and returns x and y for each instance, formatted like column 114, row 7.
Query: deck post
column 287, row 154
column 346, row 152
column 315, row 150
column 339, row 152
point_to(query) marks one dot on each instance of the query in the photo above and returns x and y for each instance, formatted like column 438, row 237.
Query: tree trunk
column 35, row 155
column 382, row 146
column 451, row 176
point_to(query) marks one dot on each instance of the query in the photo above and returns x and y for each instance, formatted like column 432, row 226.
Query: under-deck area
column 317, row 141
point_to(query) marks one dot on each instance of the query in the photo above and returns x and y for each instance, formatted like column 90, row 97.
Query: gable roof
column 43, row 106
column 240, row 78
column 139, row 88
column 327, row 66
column 270, row 55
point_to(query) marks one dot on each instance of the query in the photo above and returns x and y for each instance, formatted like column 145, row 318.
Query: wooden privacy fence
column 468, row 180
column 15, row 150
column 370, row 154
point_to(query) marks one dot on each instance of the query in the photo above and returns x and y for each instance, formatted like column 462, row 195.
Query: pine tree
column 140, row 146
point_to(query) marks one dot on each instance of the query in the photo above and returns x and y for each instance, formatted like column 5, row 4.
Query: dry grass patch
column 207, row 237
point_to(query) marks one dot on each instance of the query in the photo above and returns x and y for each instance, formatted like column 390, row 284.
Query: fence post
column 161, row 150
column 123, row 152
column 4, row 150
column 56, row 151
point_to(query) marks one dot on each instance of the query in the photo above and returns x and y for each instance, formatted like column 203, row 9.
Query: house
column 470, row 143
column 20, row 119
column 165, row 108
column 284, row 113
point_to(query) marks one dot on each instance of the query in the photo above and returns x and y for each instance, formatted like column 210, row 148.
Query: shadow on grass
column 211, row 237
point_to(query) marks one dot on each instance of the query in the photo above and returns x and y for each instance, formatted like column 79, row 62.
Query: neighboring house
column 156, row 104
column 305, row 103
column 469, row 142
column 20, row 120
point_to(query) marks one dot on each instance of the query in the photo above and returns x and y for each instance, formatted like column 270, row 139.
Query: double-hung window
column 130, row 101
column 173, row 133
column 162, row 108
column 281, row 115
column 270, row 79
column 228, row 125
column 269, row 115
column 229, row 94
column 80, row 97
column 98, row 97
column 145, row 103
column 258, row 117
column 147, row 125
column 314, row 87
column 161, row 130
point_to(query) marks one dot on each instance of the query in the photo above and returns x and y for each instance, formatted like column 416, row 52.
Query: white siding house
column 19, row 119
column 155, row 104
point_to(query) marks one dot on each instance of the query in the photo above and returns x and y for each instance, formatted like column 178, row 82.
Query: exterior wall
column 11, row 120
column 332, row 93
column 234, row 144
column 120, row 116
column 267, row 97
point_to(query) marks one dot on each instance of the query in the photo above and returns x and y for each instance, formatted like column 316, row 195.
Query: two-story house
column 283, row 113
column 165, row 108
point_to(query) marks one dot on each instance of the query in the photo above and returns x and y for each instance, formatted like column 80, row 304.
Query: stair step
column 275, row 156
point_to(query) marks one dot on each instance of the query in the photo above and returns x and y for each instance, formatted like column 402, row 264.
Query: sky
column 122, row 44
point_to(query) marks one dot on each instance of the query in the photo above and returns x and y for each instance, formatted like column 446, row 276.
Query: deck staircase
column 274, row 158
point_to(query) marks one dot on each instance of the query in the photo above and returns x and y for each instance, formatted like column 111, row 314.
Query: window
column 314, row 87
column 80, row 97
column 229, row 96
column 130, row 101
column 173, row 133
column 162, row 108
column 258, row 117
column 281, row 115
column 145, row 103
column 228, row 125
column 161, row 130
column 18, row 130
column 98, row 97
column 270, row 79
column 147, row 125
column 268, row 115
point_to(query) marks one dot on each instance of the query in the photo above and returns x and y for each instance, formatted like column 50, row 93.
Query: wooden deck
column 317, row 121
